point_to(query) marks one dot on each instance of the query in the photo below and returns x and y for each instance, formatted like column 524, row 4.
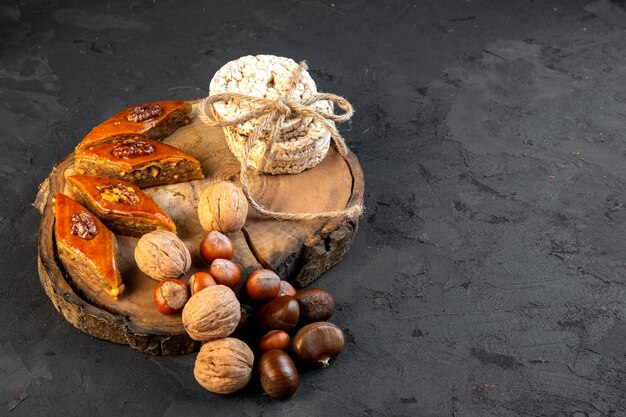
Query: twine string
column 273, row 114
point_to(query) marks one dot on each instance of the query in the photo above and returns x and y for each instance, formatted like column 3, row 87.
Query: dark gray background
column 488, row 276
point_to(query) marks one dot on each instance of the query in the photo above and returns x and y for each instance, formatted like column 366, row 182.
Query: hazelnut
column 225, row 272
column 161, row 255
column 224, row 365
column 170, row 296
column 263, row 285
column 199, row 281
column 274, row 339
column 286, row 289
column 216, row 246
column 222, row 207
column 211, row 313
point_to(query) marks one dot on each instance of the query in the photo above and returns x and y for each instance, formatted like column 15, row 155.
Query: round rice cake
column 263, row 76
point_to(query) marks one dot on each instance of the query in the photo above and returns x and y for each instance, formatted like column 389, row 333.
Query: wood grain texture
column 297, row 251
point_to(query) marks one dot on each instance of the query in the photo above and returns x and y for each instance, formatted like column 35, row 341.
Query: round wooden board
column 298, row 251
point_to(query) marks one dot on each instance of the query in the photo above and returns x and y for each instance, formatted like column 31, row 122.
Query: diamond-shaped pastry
column 142, row 162
column 152, row 120
column 122, row 207
column 86, row 247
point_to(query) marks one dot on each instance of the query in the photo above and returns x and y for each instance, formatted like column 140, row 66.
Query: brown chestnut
column 263, row 285
column 318, row 342
column 199, row 281
column 170, row 296
column 216, row 245
column 278, row 374
column 225, row 272
column 274, row 339
column 315, row 304
column 282, row 313
column 286, row 289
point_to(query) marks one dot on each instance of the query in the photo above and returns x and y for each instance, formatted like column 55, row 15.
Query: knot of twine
column 273, row 114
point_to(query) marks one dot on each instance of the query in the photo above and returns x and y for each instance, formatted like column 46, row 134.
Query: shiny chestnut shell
column 282, row 313
column 278, row 374
column 318, row 342
column 225, row 272
column 315, row 305
column 263, row 285
column 275, row 339
column 286, row 289
column 216, row 245
column 199, row 281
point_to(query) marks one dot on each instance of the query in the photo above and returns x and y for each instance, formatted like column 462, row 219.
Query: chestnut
column 216, row 245
column 199, row 281
column 318, row 342
column 225, row 272
column 282, row 313
column 315, row 305
column 263, row 285
column 278, row 374
column 286, row 289
column 170, row 296
column 274, row 339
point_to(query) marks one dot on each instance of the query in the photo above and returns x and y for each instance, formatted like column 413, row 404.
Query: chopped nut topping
column 83, row 225
column 132, row 148
column 143, row 113
column 119, row 194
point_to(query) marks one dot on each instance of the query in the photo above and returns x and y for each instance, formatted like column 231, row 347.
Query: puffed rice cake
column 302, row 142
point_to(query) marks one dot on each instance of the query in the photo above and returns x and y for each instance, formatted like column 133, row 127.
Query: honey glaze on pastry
column 152, row 120
column 122, row 207
column 86, row 247
column 141, row 162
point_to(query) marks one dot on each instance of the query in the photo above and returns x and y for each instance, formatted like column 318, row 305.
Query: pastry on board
column 86, row 247
column 122, row 207
column 142, row 162
column 155, row 120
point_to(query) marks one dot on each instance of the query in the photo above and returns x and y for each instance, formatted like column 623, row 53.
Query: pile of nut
column 211, row 311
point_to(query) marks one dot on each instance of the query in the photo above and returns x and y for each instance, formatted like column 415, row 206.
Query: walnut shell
column 161, row 255
column 224, row 365
column 211, row 313
column 223, row 207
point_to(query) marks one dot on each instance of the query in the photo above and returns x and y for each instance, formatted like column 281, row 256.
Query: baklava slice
column 142, row 162
column 122, row 207
column 155, row 120
column 86, row 247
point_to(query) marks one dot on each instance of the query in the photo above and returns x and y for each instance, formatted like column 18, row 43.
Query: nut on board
column 212, row 313
column 222, row 207
column 161, row 255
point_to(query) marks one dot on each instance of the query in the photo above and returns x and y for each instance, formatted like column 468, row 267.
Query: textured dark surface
column 488, row 275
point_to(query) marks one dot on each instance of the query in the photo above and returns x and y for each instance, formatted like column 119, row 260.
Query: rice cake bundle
column 288, row 156
column 301, row 143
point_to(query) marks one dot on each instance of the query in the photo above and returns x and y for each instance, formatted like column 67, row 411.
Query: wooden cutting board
column 298, row 251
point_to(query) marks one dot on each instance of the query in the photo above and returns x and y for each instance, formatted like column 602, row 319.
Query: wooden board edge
column 87, row 317
column 329, row 245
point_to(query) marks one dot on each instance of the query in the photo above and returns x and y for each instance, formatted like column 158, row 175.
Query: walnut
column 144, row 112
column 212, row 313
column 83, row 225
column 224, row 365
column 223, row 207
column 161, row 255
column 119, row 194
column 132, row 148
